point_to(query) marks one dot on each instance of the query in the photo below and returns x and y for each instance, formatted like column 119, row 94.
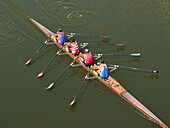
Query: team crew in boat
column 87, row 58
column 74, row 48
column 115, row 86
column 102, row 69
column 60, row 37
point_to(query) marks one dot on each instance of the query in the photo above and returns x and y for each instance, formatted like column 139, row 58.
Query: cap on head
column 102, row 61
column 72, row 40
column 86, row 51
column 60, row 30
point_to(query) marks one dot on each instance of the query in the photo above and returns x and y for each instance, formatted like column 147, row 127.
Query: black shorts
column 88, row 65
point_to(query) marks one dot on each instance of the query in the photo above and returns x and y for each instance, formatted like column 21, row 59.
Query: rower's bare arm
column 68, row 44
column 95, row 67
column 55, row 34
column 81, row 55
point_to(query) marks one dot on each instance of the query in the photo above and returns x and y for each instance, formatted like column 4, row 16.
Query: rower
column 102, row 69
column 74, row 48
column 60, row 37
column 87, row 58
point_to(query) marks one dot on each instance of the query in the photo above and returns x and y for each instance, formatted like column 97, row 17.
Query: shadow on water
column 136, row 60
column 154, row 76
column 120, row 49
column 73, row 107
column 134, row 110
column 105, row 40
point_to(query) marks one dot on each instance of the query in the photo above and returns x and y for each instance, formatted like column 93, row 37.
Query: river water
column 141, row 25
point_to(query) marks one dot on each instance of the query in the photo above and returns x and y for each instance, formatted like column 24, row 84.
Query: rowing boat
column 115, row 86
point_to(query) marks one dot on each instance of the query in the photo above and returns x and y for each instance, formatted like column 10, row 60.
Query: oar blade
column 119, row 44
column 28, row 61
column 40, row 74
column 72, row 102
column 135, row 54
column 154, row 71
column 50, row 86
column 105, row 36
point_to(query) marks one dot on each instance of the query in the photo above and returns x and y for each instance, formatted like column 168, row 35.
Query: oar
column 73, row 101
column 79, row 34
column 85, row 44
column 132, row 54
column 100, row 55
column 41, row 73
column 37, row 51
column 118, row 66
column 51, row 85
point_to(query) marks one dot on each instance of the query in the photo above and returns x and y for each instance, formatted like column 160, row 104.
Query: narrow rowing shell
column 115, row 86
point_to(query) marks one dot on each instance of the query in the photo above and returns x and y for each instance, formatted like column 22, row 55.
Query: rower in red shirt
column 87, row 58
column 74, row 48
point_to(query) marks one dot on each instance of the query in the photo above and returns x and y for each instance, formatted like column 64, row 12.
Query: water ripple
column 78, row 15
column 67, row 13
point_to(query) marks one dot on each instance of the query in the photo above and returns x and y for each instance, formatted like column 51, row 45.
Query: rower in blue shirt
column 60, row 37
column 102, row 69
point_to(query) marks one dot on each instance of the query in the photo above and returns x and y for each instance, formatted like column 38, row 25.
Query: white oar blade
column 28, row 61
column 40, row 74
column 72, row 102
column 50, row 86
column 135, row 54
